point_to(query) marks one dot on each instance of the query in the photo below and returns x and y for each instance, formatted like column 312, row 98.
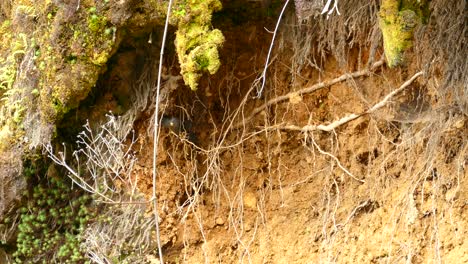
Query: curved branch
column 353, row 116
column 309, row 89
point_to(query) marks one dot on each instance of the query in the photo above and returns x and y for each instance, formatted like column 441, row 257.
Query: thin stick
column 337, row 162
column 156, row 135
column 349, row 117
column 390, row 95
column 309, row 89
column 263, row 76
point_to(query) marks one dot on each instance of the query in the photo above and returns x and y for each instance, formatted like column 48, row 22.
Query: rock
column 12, row 180
column 250, row 200
column 219, row 221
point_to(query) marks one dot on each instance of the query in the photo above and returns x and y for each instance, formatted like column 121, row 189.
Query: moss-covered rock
column 52, row 54
column 64, row 47
column 397, row 21
column 196, row 43
column 75, row 51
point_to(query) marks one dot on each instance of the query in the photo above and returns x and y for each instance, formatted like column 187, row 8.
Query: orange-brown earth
column 387, row 187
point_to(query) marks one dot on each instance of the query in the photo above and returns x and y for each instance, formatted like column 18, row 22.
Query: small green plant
column 95, row 22
column 51, row 223
column 180, row 10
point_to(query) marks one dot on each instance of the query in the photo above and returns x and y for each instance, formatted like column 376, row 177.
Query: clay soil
column 386, row 187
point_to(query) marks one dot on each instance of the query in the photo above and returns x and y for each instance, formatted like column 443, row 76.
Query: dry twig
column 156, row 136
column 263, row 76
column 307, row 90
column 350, row 117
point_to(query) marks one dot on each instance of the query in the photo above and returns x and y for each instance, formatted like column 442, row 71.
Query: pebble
column 219, row 221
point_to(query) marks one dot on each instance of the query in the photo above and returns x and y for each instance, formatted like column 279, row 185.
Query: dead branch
column 307, row 90
column 350, row 117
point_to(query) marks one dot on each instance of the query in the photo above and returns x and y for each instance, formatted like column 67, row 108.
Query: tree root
column 307, row 90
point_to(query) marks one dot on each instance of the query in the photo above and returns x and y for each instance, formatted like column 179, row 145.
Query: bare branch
column 307, row 90
column 350, row 117
column 156, row 134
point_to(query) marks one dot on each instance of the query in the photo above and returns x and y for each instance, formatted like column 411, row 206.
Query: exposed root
column 337, row 161
column 307, row 90
column 332, row 126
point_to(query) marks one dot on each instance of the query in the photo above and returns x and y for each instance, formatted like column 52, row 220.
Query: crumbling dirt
column 253, row 180
column 383, row 188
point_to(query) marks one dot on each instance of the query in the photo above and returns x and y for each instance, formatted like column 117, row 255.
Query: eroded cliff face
column 53, row 52
column 328, row 164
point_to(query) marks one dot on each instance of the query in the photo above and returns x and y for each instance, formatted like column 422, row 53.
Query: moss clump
column 74, row 54
column 397, row 21
column 51, row 223
column 64, row 49
column 196, row 43
column 12, row 108
column 7, row 65
column 16, row 46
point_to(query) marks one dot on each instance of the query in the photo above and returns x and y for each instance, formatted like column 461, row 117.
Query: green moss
column 71, row 64
column 96, row 42
column 70, row 48
column 12, row 108
column 17, row 45
column 95, row 22
column 196, row 43
column 50, row 226
column 68, row 56
column 397, row 20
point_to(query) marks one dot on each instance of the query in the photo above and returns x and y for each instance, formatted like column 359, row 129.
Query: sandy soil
column 389, row 187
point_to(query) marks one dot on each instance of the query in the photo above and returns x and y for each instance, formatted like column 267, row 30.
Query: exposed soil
column 387, row 187
column 338, row 158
